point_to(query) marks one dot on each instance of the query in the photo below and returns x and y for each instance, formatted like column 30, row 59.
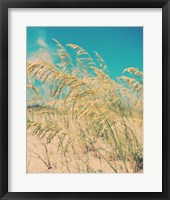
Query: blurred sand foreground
column 51, row 158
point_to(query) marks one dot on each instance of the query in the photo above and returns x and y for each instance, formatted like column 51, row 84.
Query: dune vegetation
column 79, row 120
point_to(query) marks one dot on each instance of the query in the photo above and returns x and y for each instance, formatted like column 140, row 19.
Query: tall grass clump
column 87, row 121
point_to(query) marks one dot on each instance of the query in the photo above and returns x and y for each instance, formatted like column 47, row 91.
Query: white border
column 151, row 180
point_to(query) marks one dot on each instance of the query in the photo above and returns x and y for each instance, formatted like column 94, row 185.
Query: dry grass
column 79, row 120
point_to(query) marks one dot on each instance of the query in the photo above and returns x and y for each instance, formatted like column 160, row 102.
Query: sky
column 120, row 47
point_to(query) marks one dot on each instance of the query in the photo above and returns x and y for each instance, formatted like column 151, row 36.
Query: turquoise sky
column 120, row 47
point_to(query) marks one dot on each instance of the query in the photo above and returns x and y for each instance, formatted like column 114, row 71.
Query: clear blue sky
column 120, row 47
